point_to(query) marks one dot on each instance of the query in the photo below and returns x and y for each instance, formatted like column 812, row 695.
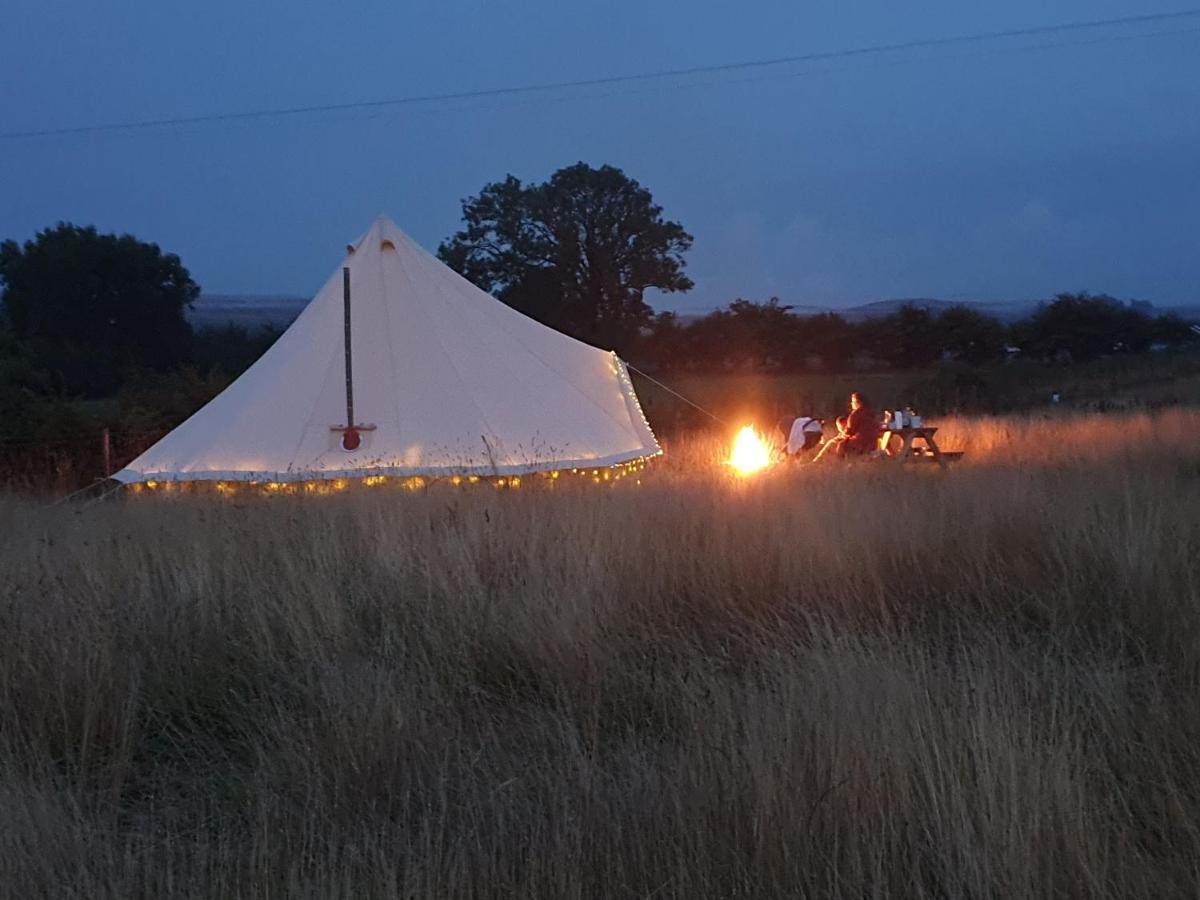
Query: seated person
column 799, row 433
column 858, row 433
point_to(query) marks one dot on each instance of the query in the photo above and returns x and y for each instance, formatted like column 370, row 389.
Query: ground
column 864, row 680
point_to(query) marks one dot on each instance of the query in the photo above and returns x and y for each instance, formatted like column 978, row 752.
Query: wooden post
column 106, row 450
column 349, row 364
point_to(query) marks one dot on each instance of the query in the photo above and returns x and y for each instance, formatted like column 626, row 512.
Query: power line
column 659, row 75
column 902, row 61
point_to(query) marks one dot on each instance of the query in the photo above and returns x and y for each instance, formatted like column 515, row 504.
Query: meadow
column 835, row 680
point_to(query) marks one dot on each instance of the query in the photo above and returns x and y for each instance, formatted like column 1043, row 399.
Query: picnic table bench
column 908, row 450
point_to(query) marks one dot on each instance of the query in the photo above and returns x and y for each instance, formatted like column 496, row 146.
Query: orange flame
column 750, row 452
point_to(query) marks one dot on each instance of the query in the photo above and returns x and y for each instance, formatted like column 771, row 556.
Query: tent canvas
column 447, row 380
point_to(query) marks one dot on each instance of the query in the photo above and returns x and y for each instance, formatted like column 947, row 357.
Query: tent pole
column 349, row 367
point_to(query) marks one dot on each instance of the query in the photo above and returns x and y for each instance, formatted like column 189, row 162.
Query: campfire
column 750, row 452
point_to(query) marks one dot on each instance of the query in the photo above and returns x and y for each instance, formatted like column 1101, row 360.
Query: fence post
column 106, row 447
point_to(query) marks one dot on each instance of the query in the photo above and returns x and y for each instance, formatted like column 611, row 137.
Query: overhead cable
column 657, row 75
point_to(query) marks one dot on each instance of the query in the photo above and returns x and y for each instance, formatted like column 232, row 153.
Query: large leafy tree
column 577, row 252
column 93, row 306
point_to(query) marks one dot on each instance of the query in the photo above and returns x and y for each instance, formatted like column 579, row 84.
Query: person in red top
column 858, row 433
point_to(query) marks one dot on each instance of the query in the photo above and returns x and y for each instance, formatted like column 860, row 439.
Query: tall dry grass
column 827, row 681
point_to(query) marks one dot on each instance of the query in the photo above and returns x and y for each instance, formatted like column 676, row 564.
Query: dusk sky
column 1008, row 169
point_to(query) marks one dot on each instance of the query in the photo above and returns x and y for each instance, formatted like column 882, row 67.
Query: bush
column 951, row 388
column 161, row 401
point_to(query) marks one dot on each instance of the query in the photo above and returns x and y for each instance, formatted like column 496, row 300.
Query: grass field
column 825, row 681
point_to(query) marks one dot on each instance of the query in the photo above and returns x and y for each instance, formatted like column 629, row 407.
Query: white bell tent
column 399, row 366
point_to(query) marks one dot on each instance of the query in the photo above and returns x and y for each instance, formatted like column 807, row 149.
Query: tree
column 968, row 335
column 29, row 413
column 905, row 339
column 1172, row 330
column 770, row 331
column 666, row 343
column 828, row 339
column 576, row 252
column 1082, row 327
column 746, row 335
column 231, row 350
column 92, row 306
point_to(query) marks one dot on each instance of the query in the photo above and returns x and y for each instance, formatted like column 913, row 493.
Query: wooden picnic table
column 908, row 450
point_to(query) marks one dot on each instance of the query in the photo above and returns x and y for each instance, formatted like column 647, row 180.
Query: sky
column 1003, row 170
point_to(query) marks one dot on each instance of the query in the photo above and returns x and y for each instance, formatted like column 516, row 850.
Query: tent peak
column 383, row 233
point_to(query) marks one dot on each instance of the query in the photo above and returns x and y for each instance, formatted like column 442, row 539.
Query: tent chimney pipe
column 349, row 366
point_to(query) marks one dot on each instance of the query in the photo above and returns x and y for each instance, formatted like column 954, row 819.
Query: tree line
column 769, row 337
column 85, row 315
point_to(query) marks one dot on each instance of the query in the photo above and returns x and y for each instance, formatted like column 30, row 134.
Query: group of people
column 857, row 432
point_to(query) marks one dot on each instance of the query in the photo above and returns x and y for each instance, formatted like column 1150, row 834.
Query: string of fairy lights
column 600, row 475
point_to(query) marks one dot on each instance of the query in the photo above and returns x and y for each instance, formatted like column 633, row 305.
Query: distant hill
column 248, row 311
column 252, row 311
column 1007, row 311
